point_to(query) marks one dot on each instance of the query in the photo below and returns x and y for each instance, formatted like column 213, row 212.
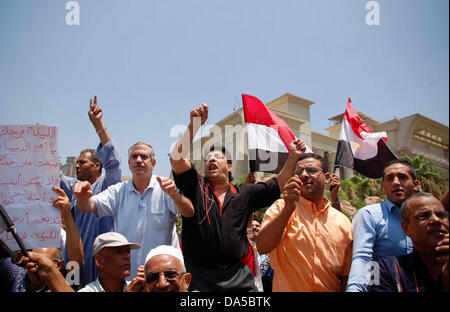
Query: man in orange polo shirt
column 309, row 241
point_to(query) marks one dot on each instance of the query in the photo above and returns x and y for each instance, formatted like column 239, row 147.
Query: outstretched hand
column 168, row 186
column 292, row 192
column 334, row 186
column 297, row 147
column 95, row 112
column 250, row 178
column 62, row 202
column 138, row 283
column 82, row 190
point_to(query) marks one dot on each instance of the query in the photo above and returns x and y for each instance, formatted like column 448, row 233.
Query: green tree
column 358, row 187
column 431, row 178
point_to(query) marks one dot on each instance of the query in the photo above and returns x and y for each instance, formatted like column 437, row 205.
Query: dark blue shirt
column 409, row 274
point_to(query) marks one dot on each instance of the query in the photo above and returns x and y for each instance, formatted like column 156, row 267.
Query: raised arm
column 180, row 153
column 296, row 149
column 271, row 234
column 183, row 203
column 95, row 116
column 74, row 244
column 83, row 192
column 334, row 186
column 47, row 271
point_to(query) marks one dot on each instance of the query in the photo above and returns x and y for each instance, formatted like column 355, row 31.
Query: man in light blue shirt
column 377, row 230
column 144, row 208
column 89, row 167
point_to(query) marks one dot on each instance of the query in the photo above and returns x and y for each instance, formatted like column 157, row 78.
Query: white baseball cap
column 112, row 239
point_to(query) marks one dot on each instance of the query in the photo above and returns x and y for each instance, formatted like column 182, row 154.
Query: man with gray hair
column 144, row 208
column 425, row 221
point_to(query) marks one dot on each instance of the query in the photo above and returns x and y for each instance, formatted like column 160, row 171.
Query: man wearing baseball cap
column 112, row 258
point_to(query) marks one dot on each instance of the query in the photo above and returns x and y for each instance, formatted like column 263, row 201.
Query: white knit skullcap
column 165, row 250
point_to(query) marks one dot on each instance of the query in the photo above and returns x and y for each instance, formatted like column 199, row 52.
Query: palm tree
column 358, row 188
column 431, row 178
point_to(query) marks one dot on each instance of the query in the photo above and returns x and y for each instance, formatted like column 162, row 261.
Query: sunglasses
column 169, row 275
column 425, row 215
column 309, row 170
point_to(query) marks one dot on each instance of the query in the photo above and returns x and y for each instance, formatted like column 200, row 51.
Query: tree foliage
column 431, row 178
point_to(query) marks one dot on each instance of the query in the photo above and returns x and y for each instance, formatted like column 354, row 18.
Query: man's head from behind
column 112, row 254
column 165, row 270
column 399, row 181
column 312, row 170
column 425, row 220
column 88, row 167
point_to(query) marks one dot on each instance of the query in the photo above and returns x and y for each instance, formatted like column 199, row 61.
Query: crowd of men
column 123, row 234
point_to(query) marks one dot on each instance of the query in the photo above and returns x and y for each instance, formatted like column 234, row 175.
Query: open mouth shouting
column 213, row 168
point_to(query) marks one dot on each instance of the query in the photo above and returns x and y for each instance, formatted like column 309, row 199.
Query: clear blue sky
column 151, row 61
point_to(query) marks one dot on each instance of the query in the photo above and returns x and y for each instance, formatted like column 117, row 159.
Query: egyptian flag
column 268, row 136
column 359, row 148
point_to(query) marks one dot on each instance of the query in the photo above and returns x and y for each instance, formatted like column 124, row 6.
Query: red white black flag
column 361, row 149
column 268, row 136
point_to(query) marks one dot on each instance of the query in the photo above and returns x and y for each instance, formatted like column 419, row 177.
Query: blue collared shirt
column 377, row 232
column 147, row 219
column 88, row 226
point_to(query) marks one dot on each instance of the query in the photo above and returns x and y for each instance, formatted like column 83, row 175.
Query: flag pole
column 10, row 227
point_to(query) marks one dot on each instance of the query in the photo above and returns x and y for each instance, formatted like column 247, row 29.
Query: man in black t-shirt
column 214, row 240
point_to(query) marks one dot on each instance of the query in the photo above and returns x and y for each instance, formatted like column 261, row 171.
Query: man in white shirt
column 144, row 208
column 112, row 258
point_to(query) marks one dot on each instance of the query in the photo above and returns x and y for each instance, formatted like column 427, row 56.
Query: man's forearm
column 74, row 244
column 270, row 236
column 184, row 205
column 86, row 205
column 287, row 171
column 102, row 132
column 56, row 281
column 180, row 153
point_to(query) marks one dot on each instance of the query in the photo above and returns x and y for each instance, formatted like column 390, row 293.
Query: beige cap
column 112, row 239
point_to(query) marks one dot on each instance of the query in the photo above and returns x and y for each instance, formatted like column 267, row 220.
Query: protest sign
column 29, row 169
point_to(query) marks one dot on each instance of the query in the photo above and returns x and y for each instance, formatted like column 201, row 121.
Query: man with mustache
column 425, row 221
column 377, row 228
column 89, row 168
column 145, row 208
column 215, row 246
column 309, row 241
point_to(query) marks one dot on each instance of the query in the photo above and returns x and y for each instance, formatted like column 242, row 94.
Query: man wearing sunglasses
column 165, row 271
column 309, row 241
column 425, row 221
